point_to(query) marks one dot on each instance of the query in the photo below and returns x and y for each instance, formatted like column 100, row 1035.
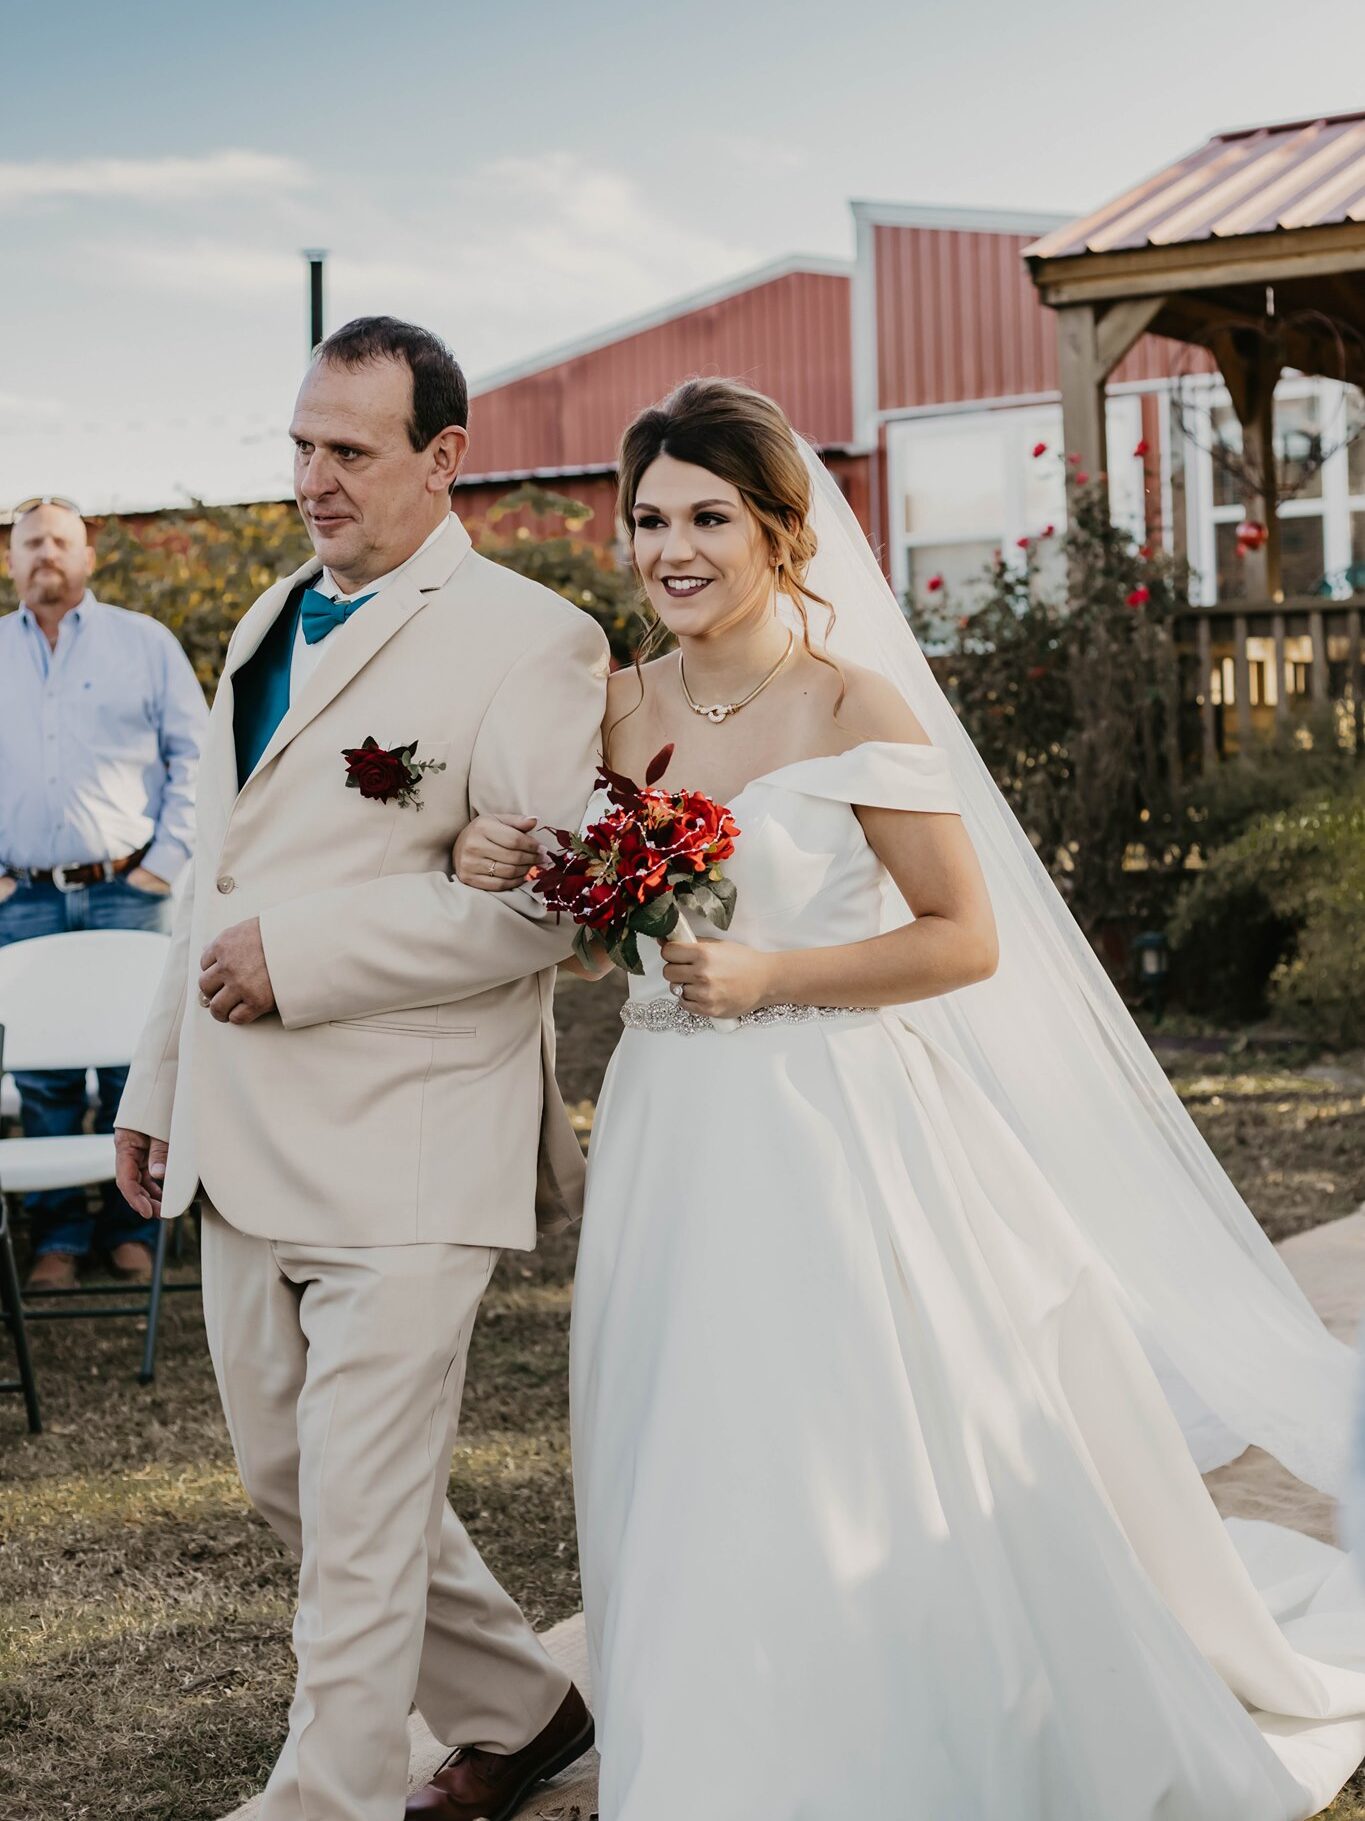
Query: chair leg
column 13, row 1313
column 148, row 1372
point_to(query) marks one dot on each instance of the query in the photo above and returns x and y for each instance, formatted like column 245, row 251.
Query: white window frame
column 1019, row 427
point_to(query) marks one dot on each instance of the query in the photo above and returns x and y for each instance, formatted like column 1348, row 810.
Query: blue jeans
column 54, row 1101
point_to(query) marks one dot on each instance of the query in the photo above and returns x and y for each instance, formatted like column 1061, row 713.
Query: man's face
column 367, row 496
column 50, row 557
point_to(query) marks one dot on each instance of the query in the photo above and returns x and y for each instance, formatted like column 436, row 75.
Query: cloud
column 199, row 268
column 149, row 180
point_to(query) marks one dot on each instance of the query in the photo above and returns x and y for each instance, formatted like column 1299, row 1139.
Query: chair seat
column 28, row 1165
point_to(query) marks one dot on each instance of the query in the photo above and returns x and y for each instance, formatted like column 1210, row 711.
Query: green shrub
column 1276, row 921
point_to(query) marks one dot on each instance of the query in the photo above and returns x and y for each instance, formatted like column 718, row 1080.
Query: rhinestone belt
column 670, row 1015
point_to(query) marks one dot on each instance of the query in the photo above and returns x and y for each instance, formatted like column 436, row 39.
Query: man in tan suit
column 351, row 1062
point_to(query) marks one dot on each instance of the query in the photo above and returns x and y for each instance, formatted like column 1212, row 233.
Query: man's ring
column 204, row 1000
column 677, row 990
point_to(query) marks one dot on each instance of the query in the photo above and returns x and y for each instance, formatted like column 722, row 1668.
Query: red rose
column 1142, row 448
column 1022, row 542
column 1144, row 551
column 1081, row 477
column 933, row 585
column 1139, row 596
column 1039, row 449
column 1048, row 531
column 375, row 773
column 1036, row 672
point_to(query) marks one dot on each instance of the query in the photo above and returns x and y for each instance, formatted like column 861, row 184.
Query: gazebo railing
column 1255, row 667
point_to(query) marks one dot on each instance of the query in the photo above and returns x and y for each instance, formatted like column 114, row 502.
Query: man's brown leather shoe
column 477, row 1785
column 53, row 1271
column 132, row 1261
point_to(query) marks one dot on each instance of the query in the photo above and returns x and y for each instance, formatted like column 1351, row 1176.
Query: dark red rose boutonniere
column 387, row 775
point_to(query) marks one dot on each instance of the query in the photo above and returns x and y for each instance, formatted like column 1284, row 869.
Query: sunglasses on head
column 45, row 499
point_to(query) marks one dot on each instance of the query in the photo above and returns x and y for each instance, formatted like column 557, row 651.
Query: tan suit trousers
column 341, row 1370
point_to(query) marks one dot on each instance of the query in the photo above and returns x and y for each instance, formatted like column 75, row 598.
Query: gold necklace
column 721, row 711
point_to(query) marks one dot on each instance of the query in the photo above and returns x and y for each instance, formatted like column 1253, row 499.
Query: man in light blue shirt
column 101, row 718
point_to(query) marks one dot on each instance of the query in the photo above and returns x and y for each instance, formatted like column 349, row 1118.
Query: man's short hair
column 440, row 396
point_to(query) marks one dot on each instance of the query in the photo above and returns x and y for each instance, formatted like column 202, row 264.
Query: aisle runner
column 1329, row 1263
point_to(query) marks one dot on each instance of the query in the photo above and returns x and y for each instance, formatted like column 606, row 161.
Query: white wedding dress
column 883, row 1513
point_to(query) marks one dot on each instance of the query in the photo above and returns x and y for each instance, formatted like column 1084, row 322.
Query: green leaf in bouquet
column 658, row 919
column 583, row 945
column 627, row 954
column 703, row 899
column 727, row 892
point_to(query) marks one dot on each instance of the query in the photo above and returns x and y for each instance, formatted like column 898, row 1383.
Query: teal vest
column 260, row 689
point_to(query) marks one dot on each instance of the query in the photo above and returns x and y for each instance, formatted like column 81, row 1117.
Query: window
column 967, row 486
column 1322, row 478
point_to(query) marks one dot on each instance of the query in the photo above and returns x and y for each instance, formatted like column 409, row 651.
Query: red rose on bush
column 1139, row 596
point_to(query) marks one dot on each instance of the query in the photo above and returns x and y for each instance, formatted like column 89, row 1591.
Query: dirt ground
column 144, row 1610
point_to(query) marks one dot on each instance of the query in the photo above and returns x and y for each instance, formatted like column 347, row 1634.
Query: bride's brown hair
column 744, row 437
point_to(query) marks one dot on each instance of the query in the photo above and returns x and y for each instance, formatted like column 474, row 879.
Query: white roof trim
column 968, row 221
column 669, row 312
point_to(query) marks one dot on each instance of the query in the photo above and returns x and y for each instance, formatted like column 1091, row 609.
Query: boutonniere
column 389, row 775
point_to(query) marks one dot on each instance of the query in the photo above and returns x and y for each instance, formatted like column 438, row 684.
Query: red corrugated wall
column 958, row 318
column 788, row 336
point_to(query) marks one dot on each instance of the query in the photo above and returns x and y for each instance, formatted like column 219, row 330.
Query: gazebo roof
column 1260, row 180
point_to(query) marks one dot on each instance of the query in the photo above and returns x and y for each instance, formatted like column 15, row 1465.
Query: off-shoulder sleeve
column 879, row 774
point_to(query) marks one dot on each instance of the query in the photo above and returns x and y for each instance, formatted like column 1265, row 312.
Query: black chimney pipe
column 316, row 257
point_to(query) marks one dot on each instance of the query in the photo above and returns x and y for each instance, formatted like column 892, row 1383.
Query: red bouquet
column 632, row 874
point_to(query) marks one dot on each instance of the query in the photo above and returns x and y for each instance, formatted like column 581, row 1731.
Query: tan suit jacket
column 404, row 1089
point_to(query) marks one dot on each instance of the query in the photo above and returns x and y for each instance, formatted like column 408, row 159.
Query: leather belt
column 71, row 878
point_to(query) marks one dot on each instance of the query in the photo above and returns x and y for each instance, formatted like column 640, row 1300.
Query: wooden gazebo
column 1252, row 247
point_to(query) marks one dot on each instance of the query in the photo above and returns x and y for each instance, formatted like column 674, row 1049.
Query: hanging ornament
column 1251, row 535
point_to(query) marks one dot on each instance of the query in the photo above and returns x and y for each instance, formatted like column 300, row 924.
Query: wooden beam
column 1122, row 324
column 1241, row 671
column 1281, row 681
column 1317, row 682
column 1204, row 643
column 1195, row 265
column 1082, row 374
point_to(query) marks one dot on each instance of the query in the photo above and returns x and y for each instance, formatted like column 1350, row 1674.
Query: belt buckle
column 59, row 878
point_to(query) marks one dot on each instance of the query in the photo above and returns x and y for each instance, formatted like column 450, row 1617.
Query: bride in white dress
column 909, row 1311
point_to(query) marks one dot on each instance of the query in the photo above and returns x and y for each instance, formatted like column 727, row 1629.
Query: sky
column 518, row 175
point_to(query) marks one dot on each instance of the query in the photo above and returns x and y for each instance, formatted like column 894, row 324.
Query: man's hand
column 148, row 882
column 234, row 982
column 139, row 1166
column 8, row 886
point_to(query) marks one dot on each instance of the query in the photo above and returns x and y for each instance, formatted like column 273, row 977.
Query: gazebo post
column 1091, row 341
column 1082, row 380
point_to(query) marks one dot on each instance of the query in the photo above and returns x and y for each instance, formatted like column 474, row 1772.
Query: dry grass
column 144, row 1611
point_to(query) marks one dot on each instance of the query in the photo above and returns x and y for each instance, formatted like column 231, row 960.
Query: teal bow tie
column 321, row 615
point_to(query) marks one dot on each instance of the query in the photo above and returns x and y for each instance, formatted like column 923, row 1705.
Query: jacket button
column 227, row 884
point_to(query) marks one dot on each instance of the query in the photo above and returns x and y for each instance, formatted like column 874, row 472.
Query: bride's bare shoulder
column 872, row 708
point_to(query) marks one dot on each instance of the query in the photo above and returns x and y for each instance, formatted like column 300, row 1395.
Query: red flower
column 1144, row 551
column 1139, row 596
column 964, row 622
column 1022, row 542
column 377, row 774
column 1048, row 531
column 1081, row 477
column 1075, row 460
column 1036, row 672
column 1039, row 449
column 1142, row 447
column 933, row 585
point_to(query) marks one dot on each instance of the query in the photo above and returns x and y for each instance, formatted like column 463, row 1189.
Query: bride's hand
column 495, row 853
column 719, row 979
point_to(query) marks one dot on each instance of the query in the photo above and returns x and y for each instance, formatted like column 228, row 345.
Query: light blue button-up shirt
column 99, row 741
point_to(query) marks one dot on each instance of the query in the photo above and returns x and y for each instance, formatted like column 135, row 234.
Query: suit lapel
column 350, row 647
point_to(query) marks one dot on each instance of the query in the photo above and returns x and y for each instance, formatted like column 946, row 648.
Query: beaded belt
column 671, row 1015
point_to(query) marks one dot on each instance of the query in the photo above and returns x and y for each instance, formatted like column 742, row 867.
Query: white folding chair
column 69, row 1002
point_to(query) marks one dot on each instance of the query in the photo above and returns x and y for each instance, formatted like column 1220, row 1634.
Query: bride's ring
column 492, row 866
